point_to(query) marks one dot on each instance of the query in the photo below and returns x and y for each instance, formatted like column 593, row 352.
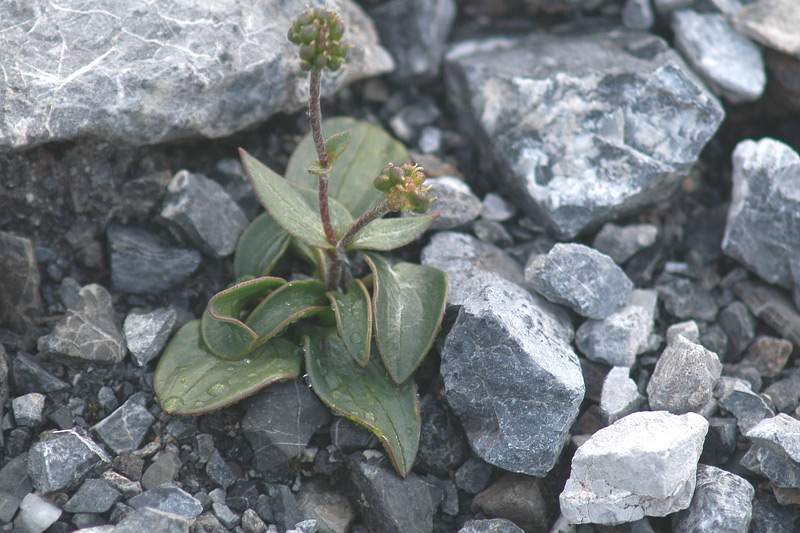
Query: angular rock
column 730, row 63
column 227, row 69
column 642, row 465
column 121, row 484
column 279, row 423
column 620, row 243
column 252, row 523
column 147, row 334
column 89, row 332
column 164, row 469
column 496, row 208
column 785, row 393
column 284, row 506
column 512, row 378
column 736, row 397
column 61, row 460
column 94, row 496
column 587, row 128
column 684, row 377
column 402, row 22
column 387, row 502
column 226, row 517
column 621, row 336
column 777, row 442
column 28, row 375
column 151, row 519
column 36, row 514
column 687, row 329
column 455, row 201
column 14, row 485
column 587, row 281
column 469, row 263
column 722, row 502
column 685, row 298
column 740, row 326
column 772, row 23
column 765, row 176
column 318, row 501
column 771, row 306
column 473, row 476
column 768, row 355
column 28, row 409
column 516, row 498
column 142, row 263
column 620, row 396
column 125, row 428
column 19, row 282
column 349, row 436
column 168, row 498
column 494, row 525
column 638, row 15
column 220, row 471
column 771, row 517
column 442, row 445
column 202, row 209
column 720, row 441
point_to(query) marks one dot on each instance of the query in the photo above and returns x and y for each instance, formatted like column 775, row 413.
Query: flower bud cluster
column 318, row 33
column 403, row 188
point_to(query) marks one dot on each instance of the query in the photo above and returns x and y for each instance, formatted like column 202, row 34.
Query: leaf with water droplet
column 366, row 395
column 261, row 245
column 295, row 300
column 353, row 312
column 187, row 372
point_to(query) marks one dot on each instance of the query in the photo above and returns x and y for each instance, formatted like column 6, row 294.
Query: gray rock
column 740, row 327
column 517, row 498
column 613, row 476
column 768, row 355
column 107, row 399
column 220, row 471
column 469, row 263
column 765, row 174
column 496, row 208
column 121, row 484
column 147, row 334
column 473, row 476
column 621, row 336
column 142, row 263
column 736, row 397
column 638, row 14
column 686, row 298
column 730, row 63
column 771, row 517
column 771, row 306
column 349, row 436
column 19, row 281
column 208, row 523
column 772, row 23
column 202, row 210
column 28, row 375
column 720, row 441
column 227, row 518
column 187, row 69
column 722, row 502
column 152, row 519
column 36, row 514
column 620, row 396
column 168, row 498
column 94, row 496
column 125, row 428
column 285, row 509
column 306, row 526
column 587, row 128
column 687, row 329
column 14, row 485
column 388, row 503
column 318, row 501
column 493, row 525
column 279, row 423
column 622, row 242
column 61, row 460
column 785, row 393
column 455, row 201
column 587, row 281
column 89, row 332
column 492, row 232
column 512, row 378
column 252, row 523
column 442, row 445
column 777, row 443
column 402, row 25
column 164, row 469
column 684, row 377
column 28, row 409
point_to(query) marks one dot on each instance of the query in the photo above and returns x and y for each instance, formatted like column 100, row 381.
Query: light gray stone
column 730, row 63
column 512, row 378
column 638, row 14
column 147, row 334
column 89, row 332
column 722, row 502
column 455, row 201
column 587, row 281
column 684, row 377
column 168, row 498
column 496, row 208
column 94, row 496
column 644, row 464
column 28, row 409
column 202, row 209
column 61, row 460
column 777, row 440
column 152, row 519
column 622, row 242
column 620, row 396
column 763, row 228
column 688, row 329
column 36, row 514
column 142, row 72
column 772, row 23
column 621, row 336
column 125, row 428
column 586, row 128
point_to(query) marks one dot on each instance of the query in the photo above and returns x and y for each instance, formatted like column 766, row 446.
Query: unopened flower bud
column 319, row 33
column 403, row 188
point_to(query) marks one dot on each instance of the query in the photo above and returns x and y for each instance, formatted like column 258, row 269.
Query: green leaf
column 318, row 170
column 408, row 303
column 390, row 233
column 225, row 335
column 294, row 208
column 354, row 319
column 259, row 248
column 336, row 144
column 295, row 300
column 366, row 395
column 313, row 256
column 190, row 380
column 370, row 150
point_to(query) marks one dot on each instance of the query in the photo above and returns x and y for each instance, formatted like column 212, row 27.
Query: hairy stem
column 376, row 212
column 315, row 119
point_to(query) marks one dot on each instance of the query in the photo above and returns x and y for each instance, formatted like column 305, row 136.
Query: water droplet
column 252, row 374
column 355, row 338
column 230, row 368
column 369, row 417
column 247, row 361
column 171, row 404
column 183, row 380
column 217, row 388
column 307, row 380
column 361, row 355
column 198, row 403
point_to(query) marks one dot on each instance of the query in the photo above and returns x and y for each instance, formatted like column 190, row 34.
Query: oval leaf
column 259, row 248
column 390, row 233
column 353, row 312
column 336, row 144
column 294, row 208
column 226, row 335
column 370, row 150
column 296, row 299
column 408, row 303
column 365, row 395
column 190, row 380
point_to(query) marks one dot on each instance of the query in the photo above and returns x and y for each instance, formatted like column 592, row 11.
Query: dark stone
column 771, row 517
column 517, row 498
column 242, row 495
column 684, row 298
column 94, row 496
column 29, row 375
column 285, row 510
column 18, row 441
column 748, row 407
column 14, row 485
column 720, row 441
column 168, row 498
column 349, row 436
column 163, row 470
column 778, row 449
column 771, row 306
column 318, row 501
column 785, row 393
column 473, row 475
column 739, row 325
column 125, row 428
column 153, row 519
column 442, row 445
column 61, row 460
column 768, row 355
column 219, row 471
column 20, row 302
column 722, row 502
